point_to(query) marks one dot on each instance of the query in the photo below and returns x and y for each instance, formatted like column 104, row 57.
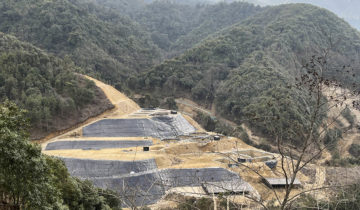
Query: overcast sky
column 347, row 9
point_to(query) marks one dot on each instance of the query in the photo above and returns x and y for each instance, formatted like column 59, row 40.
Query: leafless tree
column 294, row 156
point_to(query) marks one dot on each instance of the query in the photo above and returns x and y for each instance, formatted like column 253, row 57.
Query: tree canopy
column 251, row 65
column 43, row 84
column 30, row 180
column 103, row 43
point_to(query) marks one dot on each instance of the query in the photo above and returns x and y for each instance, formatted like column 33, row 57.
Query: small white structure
column 280, row 182
column 231, row 187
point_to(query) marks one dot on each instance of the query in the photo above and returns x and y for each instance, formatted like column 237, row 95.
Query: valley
column 167, row 104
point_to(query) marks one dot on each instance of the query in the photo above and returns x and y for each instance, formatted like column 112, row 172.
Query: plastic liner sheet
column 164, row 127
column 147, row 188
column 143, row 189
column 85, row 168
column 95, row 145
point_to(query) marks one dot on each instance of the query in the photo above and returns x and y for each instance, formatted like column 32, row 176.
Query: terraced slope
column 183, row 163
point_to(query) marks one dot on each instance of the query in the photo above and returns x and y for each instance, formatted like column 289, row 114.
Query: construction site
column 147, row 154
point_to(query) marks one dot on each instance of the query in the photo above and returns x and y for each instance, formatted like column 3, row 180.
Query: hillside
column 247, row 71
column 166, row 21
column 177, row 104
column 178, row 27
column 101, row 42
column 122, row 6
column 214, row 18
column 344, row 9
column 158, row 158
column 56, row 98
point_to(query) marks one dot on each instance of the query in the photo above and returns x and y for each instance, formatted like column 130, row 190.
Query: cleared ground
column 182, row 156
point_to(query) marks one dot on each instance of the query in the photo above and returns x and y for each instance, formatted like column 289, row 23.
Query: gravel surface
column 95, row 145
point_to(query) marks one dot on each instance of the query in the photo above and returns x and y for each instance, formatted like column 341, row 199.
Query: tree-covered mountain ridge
column 56, row 98
column 176, row 27
column 246, row 71
column 105, row 44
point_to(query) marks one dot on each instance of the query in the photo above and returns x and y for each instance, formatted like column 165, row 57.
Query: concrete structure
column 279, row 182
column 231, row 187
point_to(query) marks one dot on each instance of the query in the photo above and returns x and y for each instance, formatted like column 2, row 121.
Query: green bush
column 348, row 116
column 346, row 198
column 332, row 137
column 31, row 180
column 170, row 103
column 354, row 150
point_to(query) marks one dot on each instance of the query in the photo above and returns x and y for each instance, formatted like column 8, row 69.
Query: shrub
column 354, row 150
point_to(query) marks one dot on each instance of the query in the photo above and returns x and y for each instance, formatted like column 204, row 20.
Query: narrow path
column 194, row 106
column 197, row 107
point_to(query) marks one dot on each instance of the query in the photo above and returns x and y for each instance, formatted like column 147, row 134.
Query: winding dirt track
column 123, row 106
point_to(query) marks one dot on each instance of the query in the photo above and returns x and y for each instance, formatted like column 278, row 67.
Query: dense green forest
column 247, row 70
column 212, row 19
column 103, row 43
column 237, row 56
column 177, row 27
column 242, row 59
column 113, row 40
column 349, row 10
column 31, row 180
column 122, row 6
column 166, row 21
column 45, row 85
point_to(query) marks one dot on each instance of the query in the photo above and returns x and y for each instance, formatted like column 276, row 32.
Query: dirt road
column 123, row 106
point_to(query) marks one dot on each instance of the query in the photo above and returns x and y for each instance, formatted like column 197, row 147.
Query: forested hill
column 178, row 27
column 102, row 42
column 47, row 87
column 122, row 6
column 175, row 26
column 251, row 65
column 212, row 19
column 349, row 9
